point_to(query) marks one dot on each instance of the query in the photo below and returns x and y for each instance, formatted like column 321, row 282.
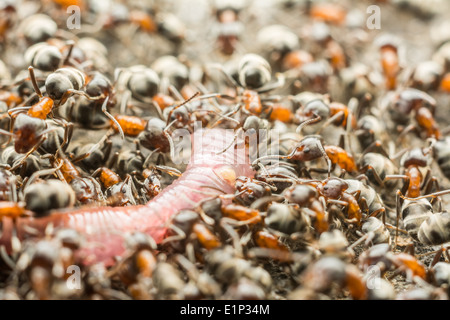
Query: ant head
column 411, row 99
column 415, row 157
column 308, row 149
column 99, row 85
column 317, row 107
column 62, row 80
column 181, row 115
column 333, row 188
column 153, row 136
column 255, row 122
column 144, row 84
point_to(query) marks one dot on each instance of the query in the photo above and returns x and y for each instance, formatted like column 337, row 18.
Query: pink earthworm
column 209, row 172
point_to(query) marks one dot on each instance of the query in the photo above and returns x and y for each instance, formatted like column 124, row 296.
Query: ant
column 422, row 223
column 381, row 255
column 423, row 106
column 307, row 196
column 389, row 62
column 118, row 192
column 87, row 190
column 441, row 153
column 156, row 134
column 254, row 74
column 188, row 224
column 152, row 186
column 329, row 271
column 377, row 165
column 311, row 148
column 335, row 112
column 327, row 12
column 411, row 163
column 229, row 26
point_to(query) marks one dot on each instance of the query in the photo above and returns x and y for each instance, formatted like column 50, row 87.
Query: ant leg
column 13, row 112
column 170, row 171
column 320, row 170
column 108, row 149
column 305, row 171
column 363, row 205
column 275, row 254
column 124, row 101
column 389, row 226
column 405, row 131
column 330, row 121
column 130, row 189
column 204, row 91
column 307, row 122
column 377, row 212
column 362, row 177
column 374, row 172
column 281, row 80
column 436, row 257
column 113, row 160
column 94, row 148
column 398, row 211
column 267, row 114
column 447, row 255
column 340, row 213
column 406, row 186
column 238, row 131
column 179, row 236
column 426, row 180
column 174, row 91
column 221, row 116
column 399, row 176
column 7, row 133
column 226, row 224
column 158, row 109
column 376, row 146
column 171, row 145
column 228, row 77
column 228, row 115
column 357, row 195
column 340, row 202
column 180, row 105
column 105, row 111
column 68, row 131
column 71, row 92
column 23, row 169
column 216, row 96
column 22, row 161
column 71, row 44
column 41, row 173
column 409, row 249
column 429, row 185
column 270, row 157
column 160, row 159
column 431, row 195
column 34, row 82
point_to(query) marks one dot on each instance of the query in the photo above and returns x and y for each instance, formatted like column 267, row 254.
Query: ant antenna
column 33, row 81
column 307, row 122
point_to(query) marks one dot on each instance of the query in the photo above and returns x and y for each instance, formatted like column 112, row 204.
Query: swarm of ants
column 95, row 205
